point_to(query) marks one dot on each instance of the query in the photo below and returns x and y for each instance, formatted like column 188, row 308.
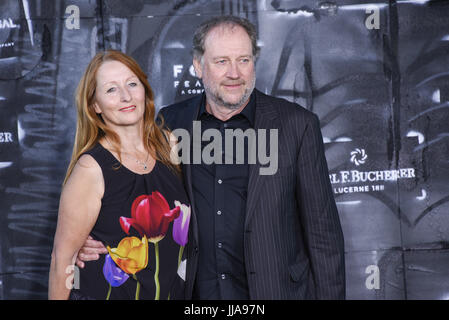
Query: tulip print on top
column 143, row 221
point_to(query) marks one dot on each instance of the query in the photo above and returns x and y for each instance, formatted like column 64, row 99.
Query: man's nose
column 233, row 71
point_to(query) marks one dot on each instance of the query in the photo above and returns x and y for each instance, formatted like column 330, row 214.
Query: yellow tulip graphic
column 131, row 254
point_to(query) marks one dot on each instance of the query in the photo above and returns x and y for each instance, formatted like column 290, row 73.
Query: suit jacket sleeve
column 163, row 115
column 319, row 216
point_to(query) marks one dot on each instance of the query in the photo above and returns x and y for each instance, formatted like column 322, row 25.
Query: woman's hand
column 90, row 251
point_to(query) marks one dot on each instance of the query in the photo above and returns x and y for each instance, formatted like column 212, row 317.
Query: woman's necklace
column 142, row 163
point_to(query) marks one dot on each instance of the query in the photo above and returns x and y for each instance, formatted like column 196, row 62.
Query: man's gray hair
column 231, row 21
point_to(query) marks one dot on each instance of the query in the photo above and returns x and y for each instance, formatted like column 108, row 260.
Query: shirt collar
column 249, row 111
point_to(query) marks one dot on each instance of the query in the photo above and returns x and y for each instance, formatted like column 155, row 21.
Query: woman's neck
column 131, row 139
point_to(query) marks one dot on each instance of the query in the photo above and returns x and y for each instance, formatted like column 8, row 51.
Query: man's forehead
column 217, row 33
column 223, row 29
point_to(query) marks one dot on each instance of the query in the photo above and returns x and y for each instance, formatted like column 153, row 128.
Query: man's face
column 227, row 67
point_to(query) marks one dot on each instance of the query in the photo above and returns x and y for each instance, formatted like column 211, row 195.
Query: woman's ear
column 97, row 108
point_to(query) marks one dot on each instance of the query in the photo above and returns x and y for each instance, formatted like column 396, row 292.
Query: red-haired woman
column 120, row 189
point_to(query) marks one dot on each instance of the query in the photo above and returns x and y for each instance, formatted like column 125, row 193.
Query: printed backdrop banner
column 376, row 75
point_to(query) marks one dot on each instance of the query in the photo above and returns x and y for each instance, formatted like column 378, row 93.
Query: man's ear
column 197, row 66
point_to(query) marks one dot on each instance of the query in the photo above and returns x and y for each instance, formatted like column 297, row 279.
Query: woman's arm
column 79, row 207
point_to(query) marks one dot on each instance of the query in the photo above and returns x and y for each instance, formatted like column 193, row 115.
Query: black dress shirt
column 220, row 193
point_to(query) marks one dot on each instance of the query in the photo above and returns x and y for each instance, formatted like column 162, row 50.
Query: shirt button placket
column 220, row 230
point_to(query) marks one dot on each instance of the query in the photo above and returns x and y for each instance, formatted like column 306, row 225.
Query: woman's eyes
column 113, row 89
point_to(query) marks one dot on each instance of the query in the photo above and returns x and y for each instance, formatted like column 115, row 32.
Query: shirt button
column 220, row 181
column 219, row 212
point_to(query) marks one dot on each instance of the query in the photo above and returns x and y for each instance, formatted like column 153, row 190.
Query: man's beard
column 215, row 96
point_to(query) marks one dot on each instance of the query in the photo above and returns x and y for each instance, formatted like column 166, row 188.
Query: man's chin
column 229, row 101
column 232, row 106
column 236, row 104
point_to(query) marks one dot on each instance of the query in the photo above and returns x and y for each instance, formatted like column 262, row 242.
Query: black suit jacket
column 293, row 242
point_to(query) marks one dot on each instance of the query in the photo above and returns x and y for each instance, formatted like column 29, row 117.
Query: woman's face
column 119, row 95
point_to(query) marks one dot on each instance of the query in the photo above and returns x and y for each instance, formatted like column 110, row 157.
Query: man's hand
column 90, row 251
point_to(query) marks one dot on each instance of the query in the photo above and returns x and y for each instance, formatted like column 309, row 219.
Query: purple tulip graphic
column 113, row 274
column 181, row 224
column 181, row 228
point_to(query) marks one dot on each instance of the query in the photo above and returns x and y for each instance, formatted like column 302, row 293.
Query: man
column 255, row 236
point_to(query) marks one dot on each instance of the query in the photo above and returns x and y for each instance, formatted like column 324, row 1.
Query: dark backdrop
column 377, row 76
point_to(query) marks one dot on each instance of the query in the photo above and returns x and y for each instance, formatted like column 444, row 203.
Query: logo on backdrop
column 8, row 24
column 358, row 156
column 7, row 143
column 6, row 137
column 7, row 44
column 186, row 81
column 359, row 181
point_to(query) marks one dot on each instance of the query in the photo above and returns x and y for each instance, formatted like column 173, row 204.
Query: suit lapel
column 267, row 118
column 195, row 105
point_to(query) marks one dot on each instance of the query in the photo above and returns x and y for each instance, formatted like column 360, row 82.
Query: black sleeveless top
column 144, row 206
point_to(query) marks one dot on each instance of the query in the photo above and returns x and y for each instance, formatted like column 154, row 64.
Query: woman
column 122, row 189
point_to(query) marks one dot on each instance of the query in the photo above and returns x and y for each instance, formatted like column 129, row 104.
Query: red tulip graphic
column 150, row 216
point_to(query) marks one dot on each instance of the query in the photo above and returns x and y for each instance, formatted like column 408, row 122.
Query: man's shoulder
column 179, row 114
column 285, row 107
column 187, row 105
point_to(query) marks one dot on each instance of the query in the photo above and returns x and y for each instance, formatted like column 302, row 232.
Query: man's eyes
column 243, row 60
